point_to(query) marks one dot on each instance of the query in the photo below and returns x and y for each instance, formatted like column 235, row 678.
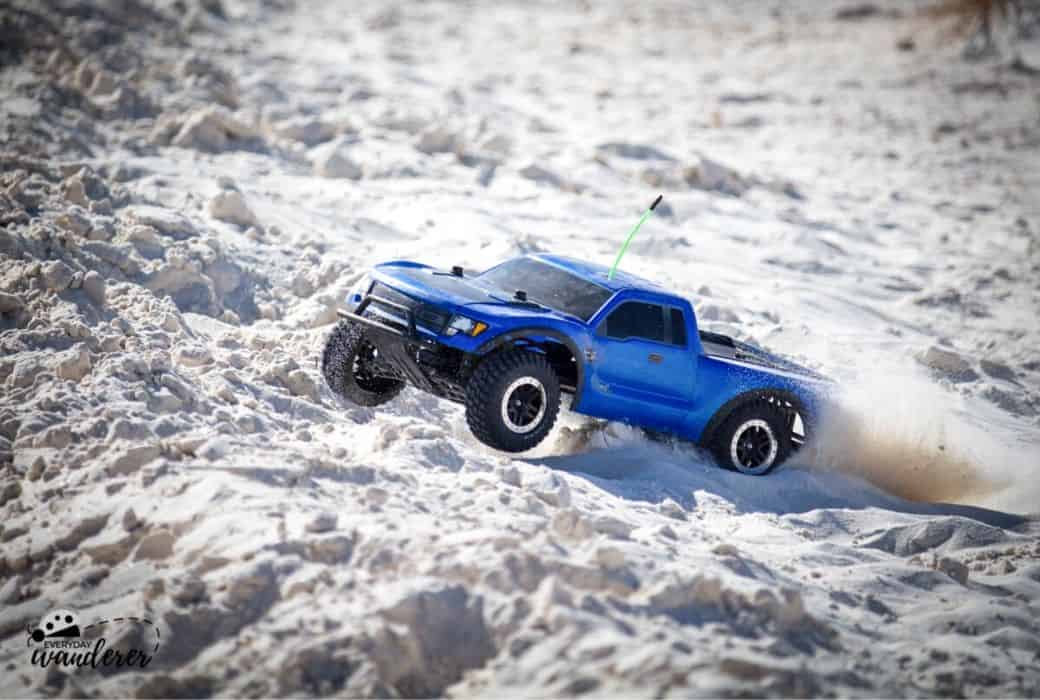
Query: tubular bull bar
column 394, row 346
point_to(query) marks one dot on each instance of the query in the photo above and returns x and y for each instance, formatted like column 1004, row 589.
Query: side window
column 678, row 328
column 636, row 319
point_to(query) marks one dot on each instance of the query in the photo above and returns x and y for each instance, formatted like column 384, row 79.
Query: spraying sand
column 905, row 439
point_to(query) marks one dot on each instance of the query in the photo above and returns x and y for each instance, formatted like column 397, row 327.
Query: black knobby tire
column 534, row 396
column 764, row 439
column 342, row 365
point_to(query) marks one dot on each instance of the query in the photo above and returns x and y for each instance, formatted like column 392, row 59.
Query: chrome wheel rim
column 754, row 447
column 523, row 405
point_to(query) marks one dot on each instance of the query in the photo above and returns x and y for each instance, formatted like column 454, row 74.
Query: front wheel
column 754, row 439
column 351, row 368
column 512, row 400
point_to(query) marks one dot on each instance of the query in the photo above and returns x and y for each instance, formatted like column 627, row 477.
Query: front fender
column 535, row 333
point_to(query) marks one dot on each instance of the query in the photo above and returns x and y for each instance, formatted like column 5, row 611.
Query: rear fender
column 805, row 409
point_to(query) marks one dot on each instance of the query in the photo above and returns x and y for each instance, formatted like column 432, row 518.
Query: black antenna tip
column 656, row 202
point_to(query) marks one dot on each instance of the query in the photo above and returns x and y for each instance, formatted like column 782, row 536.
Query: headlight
column 359, row 290
column 466, row 326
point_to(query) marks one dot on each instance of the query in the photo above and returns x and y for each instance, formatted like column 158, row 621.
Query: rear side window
column 636, row 319
column 678, row 328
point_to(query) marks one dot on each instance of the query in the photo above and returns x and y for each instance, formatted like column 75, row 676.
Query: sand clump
column 334, row 160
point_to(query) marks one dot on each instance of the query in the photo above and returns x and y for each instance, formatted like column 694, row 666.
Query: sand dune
column 189, row 189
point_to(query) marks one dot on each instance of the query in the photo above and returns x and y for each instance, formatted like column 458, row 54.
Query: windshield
column 547, row 285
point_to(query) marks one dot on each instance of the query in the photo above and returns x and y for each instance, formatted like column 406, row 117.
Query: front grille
column 427, row 316
column 383, row 292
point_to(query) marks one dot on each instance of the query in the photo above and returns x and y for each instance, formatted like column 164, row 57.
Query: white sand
column 187, row 203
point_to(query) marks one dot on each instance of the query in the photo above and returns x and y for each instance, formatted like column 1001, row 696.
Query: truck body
column 625, row 348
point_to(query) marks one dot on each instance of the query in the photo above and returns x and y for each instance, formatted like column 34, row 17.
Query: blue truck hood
column 443, row 288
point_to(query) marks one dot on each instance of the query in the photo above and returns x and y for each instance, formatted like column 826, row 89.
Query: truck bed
column 723, row 346
column 718, row 345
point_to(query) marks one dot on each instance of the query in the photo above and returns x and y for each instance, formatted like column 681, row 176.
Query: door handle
column 655, row 358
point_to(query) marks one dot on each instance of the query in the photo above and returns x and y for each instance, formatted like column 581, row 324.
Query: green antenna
column 646, row 215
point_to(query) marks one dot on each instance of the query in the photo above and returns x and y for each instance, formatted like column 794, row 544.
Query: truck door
column 642, row 371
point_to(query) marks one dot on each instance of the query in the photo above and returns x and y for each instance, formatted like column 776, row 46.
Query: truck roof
column 596, row 273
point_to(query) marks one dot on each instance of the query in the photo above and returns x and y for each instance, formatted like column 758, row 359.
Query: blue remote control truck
column 508, row 342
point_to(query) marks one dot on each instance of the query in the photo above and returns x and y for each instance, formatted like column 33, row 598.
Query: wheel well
column 786, row 400
column 558, row 347
column 563, row 363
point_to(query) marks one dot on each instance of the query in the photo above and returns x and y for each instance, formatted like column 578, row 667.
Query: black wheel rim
column 365, row 371
column 754, row 447
column 525, row 403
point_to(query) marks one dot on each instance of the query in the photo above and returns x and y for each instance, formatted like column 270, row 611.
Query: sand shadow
column 650, row 473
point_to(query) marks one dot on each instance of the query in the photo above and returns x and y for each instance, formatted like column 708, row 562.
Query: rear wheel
column 512, row 400
column 350, row 365
column 754, row 439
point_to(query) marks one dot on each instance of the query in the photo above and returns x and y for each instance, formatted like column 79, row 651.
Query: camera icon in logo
column 57, row 623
